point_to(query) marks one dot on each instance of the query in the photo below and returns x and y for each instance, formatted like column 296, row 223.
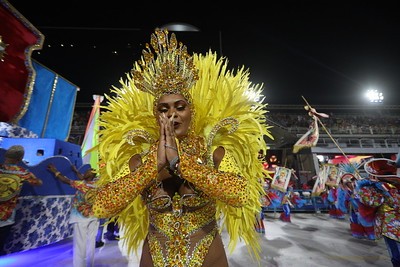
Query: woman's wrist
column 171, row 147
column 173, row 164
column 173, row 167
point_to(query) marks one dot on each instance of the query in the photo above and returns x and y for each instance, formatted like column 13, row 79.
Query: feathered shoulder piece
column 127, row 127
column 230, row 113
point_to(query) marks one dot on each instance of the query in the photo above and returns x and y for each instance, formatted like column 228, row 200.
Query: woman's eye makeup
column 179, row 105
column 179, row 108
column 162, row 108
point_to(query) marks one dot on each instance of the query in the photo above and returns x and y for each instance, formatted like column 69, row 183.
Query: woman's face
column 170, row 104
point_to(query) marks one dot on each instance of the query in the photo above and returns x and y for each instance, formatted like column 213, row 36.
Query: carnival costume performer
column 12, row 178
column 297, row 201
column 332, row 201
column 290, row 200
column 381, row 192
column 286, row 205
column 361, row 223
column 180, row 141
column 85, row 225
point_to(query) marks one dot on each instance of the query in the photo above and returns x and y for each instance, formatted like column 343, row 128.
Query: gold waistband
column 181, row 222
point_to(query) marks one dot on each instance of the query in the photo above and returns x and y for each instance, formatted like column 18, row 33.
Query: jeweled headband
column 165, row 67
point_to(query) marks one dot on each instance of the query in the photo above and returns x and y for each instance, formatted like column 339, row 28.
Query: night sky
column 330, row 52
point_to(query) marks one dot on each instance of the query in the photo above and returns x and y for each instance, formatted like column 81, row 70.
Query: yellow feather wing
column 127, row 127
column 229, row 113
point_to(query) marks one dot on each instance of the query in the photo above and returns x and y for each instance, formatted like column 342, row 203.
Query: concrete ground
column 310, row 240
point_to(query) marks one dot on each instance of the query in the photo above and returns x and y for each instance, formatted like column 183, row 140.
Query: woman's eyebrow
column 163, row 104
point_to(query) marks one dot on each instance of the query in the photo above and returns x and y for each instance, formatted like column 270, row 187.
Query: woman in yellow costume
column 180, row 140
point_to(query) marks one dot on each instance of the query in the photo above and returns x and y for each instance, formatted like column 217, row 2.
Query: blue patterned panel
column 15, row 131
column 40, row 221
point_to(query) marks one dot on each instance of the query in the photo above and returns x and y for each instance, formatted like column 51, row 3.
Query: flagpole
column 330, row 136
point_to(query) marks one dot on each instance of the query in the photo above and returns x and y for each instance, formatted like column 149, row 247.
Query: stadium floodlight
column 374, row 96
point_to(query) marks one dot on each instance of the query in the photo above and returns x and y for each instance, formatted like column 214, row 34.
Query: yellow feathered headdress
column 228, row 112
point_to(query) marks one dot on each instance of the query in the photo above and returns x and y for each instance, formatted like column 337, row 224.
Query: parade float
column 36, row 111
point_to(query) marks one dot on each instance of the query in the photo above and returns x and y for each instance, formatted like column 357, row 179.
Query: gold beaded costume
column 180, row 229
